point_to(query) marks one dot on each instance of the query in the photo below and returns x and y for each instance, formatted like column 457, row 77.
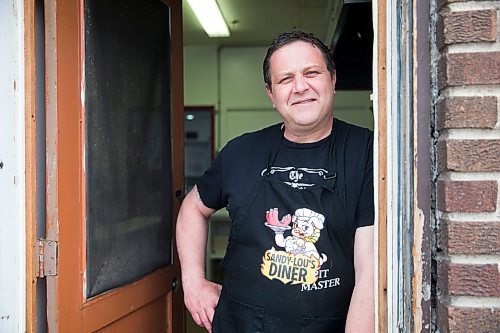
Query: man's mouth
column 304, row 101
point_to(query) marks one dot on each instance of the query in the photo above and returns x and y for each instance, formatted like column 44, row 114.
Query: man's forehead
column 280, row 59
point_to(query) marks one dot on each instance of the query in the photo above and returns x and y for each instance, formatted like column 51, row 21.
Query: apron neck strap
column 276, row 147
column 330, row 180
column 332, row 150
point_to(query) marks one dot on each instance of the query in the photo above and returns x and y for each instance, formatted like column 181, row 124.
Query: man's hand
column 201, row 297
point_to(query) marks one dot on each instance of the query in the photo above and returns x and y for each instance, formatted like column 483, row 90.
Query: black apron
column 280, row 278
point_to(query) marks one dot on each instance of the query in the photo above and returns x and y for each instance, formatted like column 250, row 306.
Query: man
column 300, row 197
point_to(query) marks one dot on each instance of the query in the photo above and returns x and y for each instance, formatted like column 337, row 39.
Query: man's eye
column 312, row 73
column 285, row 80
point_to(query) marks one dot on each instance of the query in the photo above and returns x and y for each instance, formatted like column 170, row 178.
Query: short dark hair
column 294, row 36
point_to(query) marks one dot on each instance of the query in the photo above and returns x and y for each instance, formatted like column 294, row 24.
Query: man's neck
column 309, row 135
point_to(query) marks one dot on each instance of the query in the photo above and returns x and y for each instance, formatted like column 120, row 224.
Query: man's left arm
column 361, row 315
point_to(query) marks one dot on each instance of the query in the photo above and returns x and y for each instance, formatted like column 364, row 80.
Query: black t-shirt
column 244, row 159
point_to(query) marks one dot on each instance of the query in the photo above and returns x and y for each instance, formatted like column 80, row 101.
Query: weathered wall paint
column 12, row 180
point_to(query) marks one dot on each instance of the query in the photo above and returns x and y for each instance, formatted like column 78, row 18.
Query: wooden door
column 114, row 164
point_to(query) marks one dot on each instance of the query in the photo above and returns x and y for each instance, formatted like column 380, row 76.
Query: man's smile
column 304, row 101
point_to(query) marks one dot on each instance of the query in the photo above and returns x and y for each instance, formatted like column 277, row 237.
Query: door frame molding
column 31, row 125
column 380, row 161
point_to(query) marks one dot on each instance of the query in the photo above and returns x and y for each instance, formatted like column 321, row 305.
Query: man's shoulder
column 353, row 135
column 254, row 141
column 353, row 130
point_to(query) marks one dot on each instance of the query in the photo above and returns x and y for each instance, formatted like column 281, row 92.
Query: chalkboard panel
column 128, row 141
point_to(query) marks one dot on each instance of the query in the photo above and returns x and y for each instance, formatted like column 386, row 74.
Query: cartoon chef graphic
column 307, row 225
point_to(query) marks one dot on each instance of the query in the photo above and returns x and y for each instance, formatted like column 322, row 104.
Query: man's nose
column 299, row 84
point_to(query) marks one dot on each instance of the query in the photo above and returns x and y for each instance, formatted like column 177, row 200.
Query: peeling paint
column 84, row 284
column 417, row 268
column 426, row 291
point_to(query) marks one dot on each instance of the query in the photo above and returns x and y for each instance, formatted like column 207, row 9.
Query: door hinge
column 46, row 257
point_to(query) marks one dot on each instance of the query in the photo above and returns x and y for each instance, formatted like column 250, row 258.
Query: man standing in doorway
column 300, row 197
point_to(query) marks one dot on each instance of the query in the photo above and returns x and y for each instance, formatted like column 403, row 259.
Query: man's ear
column 334, row 79
column 269, row 93
column 268, row 90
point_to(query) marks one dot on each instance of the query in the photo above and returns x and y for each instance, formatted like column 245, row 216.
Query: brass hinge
column 46, row 257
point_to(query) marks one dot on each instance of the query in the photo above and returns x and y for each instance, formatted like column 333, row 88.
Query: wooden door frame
column 65, row 186
column 410, row 59
column 31, row 161
column 380, row 162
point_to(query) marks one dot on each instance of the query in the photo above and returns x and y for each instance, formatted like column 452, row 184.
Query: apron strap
column 331, row 179
column 274, row 151
column 337, row 155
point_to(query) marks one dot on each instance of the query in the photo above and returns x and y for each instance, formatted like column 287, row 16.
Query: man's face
column 302, row 90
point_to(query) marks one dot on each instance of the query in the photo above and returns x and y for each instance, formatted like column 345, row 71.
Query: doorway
column 67, row 96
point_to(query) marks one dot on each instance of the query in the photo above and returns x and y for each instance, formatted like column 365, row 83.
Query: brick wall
column 468, row 165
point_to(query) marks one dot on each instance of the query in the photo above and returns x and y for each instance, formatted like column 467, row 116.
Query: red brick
column 441, row 3
column 466, row 319
column 467, row 112
column 474, row 280
column 470, row 238
column 467, row 196
column 477, row 68
column 469, row 155
column 468, row 279
column 467, row 26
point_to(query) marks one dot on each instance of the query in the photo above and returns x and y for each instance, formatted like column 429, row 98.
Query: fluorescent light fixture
column 208, row 14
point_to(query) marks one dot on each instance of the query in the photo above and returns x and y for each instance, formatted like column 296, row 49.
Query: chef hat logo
column 305, row 214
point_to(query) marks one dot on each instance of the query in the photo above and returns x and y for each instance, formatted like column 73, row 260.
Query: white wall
column 12, row 180
column 200, row 75
column 245, row 106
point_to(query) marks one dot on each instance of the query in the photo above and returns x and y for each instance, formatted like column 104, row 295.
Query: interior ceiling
column 257, row 22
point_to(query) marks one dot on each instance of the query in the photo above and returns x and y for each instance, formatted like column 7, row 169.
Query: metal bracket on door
column 46, row 252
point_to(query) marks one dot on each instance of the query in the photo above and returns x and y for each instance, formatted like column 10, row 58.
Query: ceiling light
column 210, row 17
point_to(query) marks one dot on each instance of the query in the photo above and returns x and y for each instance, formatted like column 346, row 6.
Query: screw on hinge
column 175, row 285
column 1, row 165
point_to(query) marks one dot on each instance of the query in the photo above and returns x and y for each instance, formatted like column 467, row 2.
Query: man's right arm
column 200, row 295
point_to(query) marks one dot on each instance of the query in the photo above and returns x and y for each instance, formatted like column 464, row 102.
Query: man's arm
column 361, row 315
column 200, row 295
